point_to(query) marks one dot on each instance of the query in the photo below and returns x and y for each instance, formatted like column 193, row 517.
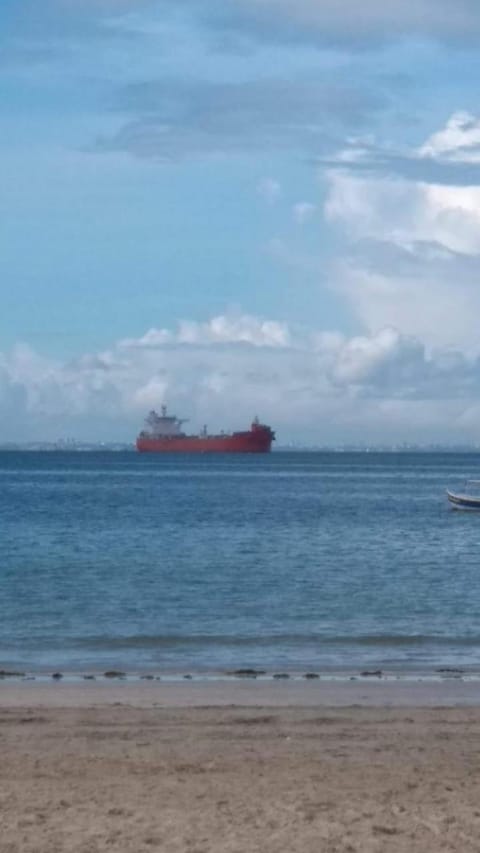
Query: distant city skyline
column 240, row 208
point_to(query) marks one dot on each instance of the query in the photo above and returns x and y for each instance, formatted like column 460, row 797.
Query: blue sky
column 260, row 204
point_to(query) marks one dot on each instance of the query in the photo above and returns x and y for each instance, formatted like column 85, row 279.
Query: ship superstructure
column 163, row 425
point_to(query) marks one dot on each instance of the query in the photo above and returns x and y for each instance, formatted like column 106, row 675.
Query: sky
column 239, row 208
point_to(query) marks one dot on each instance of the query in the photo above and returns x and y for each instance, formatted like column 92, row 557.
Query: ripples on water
column 292, row 560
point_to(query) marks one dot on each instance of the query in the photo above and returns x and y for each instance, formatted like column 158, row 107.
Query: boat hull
column 253, row 441
column 463, row 501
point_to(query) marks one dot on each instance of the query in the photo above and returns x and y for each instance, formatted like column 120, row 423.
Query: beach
column 240, row 767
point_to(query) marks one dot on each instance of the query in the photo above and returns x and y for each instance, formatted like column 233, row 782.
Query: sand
column 268, row 768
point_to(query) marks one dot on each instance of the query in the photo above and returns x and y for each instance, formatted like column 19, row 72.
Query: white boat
column 468, row 498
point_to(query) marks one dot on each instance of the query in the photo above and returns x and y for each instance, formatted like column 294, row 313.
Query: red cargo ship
column 163, row 434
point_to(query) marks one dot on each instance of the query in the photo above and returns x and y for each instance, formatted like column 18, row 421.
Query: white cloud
column 405, row 212
column 459, row 140
column 413, row 260
column 430, row 305
column 242, row 328
column 360, row 358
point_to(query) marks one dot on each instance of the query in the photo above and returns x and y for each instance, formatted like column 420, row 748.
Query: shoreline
column 371, row 693
column 438, row 673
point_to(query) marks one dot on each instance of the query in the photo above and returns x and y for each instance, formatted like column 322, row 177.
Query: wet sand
column 240, row 768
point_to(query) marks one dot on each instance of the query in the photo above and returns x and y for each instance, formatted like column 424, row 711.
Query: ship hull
column 259, row 441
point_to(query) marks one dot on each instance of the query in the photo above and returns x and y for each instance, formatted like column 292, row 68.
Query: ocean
column 288, row 562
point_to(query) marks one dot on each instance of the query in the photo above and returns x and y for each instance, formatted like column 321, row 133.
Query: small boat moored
column 468, row 498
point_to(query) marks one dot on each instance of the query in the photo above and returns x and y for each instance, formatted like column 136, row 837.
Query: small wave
column 141, row 641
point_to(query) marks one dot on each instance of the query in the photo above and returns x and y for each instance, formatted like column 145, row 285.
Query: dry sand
column 164, row 771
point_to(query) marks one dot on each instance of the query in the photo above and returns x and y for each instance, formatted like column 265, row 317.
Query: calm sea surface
column 188, row 564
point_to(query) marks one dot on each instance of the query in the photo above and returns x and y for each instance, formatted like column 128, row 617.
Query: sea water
column 288, row 561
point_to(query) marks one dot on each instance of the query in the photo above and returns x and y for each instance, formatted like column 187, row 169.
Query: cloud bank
column 312, row 386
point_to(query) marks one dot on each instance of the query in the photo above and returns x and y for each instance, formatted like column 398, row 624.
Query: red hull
column 257, row 440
